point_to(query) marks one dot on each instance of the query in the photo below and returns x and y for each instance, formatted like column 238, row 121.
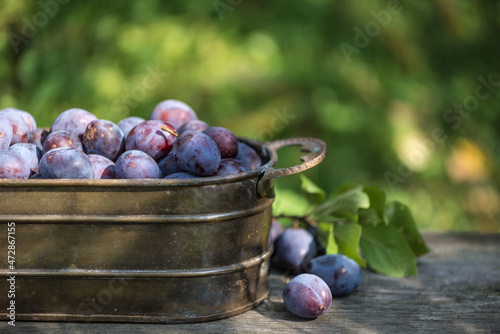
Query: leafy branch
column 358, row 222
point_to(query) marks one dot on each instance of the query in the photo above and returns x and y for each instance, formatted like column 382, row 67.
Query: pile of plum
column 320, row 278
column 172, row 144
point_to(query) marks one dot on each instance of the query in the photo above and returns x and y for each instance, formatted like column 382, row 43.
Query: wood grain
column 457, row 291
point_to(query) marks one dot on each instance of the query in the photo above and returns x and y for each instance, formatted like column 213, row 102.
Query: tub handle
column 317, row 152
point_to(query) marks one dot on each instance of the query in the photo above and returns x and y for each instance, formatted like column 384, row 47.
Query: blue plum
column 169, row 165
column 128, row 123
column 194, row 125
column 248, row 156
column 230, row 166
column 226, row 141
column 135, row 164
column 61, row 139
column 20, row 131
column 13, row 166
column 5, row 133
column 197, row 153
column 103, row 167
column 341, row 273
column 38, row 137
column 66, row 163
column 295, row 248
column 74, row 120
column 174, row 112
column 275, row 232
column 180, row 175
column 26, row 116
column 30, row 153
column 153, row 137
column 105, row 138
column 307, row 296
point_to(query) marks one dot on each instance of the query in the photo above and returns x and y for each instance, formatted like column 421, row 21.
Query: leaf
column 331, row 245
column 375, row 214
column 368, row 217
column 343, row 188
column 323, row 230
column 342, row 204
column 400, row 216
column 314, row 194
column 289, row 203
column 387, row 251
column 285, row 222
column 347, row 237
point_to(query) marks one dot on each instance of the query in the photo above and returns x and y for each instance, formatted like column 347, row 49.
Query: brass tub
column 165, row 251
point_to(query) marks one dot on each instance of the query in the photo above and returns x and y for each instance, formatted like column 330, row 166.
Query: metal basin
column 164, row 251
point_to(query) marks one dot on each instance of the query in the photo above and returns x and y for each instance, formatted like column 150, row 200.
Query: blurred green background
column 405, row 94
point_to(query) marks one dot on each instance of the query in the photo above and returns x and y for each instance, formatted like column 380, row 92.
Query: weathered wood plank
column 457, row 291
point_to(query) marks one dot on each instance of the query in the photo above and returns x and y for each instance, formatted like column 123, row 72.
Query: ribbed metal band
column 77, row 273
column 135, row 219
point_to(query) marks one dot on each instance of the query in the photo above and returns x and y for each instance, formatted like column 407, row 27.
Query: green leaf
column 323, row 230
column 314, row 194
column 342, row 204
column 343, row 188
column 399, row 216
column 368, row 217
column 375, row 214
column 347, row 237
column 286, row 222
column 387, row 251
column 331, row 245
column 290, row 203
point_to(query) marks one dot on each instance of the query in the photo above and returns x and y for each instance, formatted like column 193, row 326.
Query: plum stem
column 164, row 128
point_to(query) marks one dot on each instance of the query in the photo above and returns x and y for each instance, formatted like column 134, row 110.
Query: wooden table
column 457, row 291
